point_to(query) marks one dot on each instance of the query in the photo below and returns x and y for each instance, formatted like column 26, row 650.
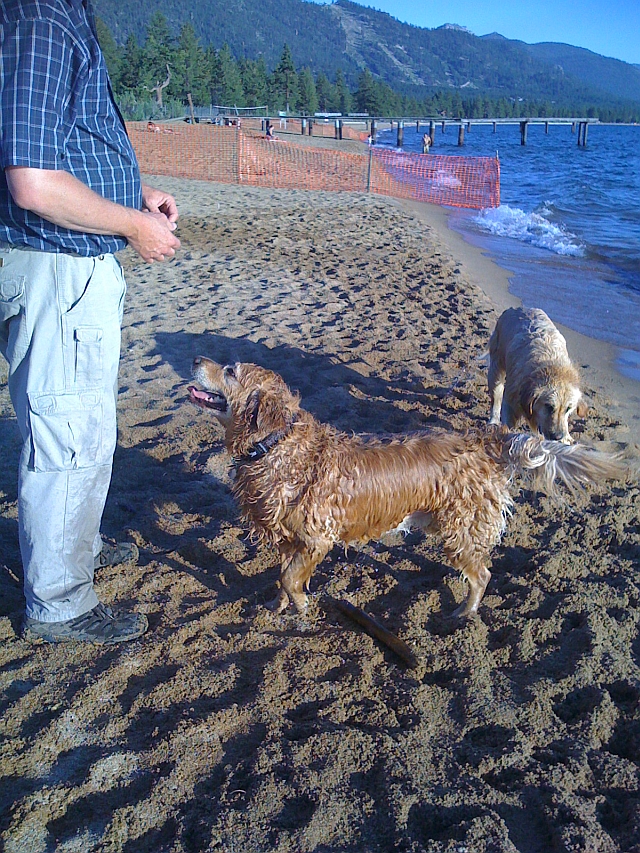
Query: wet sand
column 227, row 728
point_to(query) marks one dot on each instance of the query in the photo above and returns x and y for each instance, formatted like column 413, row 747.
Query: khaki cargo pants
column 60, row 319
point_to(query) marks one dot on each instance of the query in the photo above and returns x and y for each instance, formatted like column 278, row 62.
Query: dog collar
column 261, row 448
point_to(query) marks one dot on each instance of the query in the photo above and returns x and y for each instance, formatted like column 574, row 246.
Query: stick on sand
column 376, row 630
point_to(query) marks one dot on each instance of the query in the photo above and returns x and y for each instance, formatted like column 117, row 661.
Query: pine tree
column 130, row 67
column 324, row 93
column 157, row 55
column 284, row 80
column 343, row 96
column 254, row 82
column 191, row 73
column 307, row 103
column 227, row 85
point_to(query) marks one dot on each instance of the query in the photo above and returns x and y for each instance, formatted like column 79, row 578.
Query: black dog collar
column 261, row 448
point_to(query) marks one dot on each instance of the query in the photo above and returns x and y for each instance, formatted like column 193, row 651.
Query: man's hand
column 151, row 236
column 157, row 201
column 64, row 200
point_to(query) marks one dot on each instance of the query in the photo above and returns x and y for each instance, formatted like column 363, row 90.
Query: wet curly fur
column 303, row 486
column 531, row 377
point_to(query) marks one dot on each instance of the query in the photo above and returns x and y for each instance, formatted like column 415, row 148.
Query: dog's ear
column 528, row 396
column 266, row 413
column 582, row 409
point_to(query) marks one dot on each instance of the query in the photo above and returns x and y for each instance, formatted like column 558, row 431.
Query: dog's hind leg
column 294, row 577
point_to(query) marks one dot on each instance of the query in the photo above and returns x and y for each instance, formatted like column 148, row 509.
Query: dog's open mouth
column 207, row 399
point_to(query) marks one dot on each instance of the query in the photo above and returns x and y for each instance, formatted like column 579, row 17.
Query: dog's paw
column 279, row 603
column 465, row 611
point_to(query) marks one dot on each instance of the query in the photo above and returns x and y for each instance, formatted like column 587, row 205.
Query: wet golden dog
column 531, row 377
column 304, row 486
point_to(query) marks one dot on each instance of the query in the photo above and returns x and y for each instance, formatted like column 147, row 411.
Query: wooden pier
column 581, row 125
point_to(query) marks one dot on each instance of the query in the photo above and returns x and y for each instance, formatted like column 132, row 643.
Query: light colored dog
column 531, row 377
column 304, row 486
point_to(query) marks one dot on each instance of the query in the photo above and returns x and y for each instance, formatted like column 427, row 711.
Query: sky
column 608, row 27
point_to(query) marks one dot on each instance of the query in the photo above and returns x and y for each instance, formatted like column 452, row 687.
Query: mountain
column 602, row 73
column 410, row 59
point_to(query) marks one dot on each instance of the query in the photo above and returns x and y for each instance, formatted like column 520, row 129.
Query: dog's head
column 549, row 399
column 249, row 401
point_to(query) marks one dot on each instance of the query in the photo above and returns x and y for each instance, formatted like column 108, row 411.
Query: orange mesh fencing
column 439, row 179
column 239, row 155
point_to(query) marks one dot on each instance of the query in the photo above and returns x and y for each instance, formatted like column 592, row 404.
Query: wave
column 532, row 228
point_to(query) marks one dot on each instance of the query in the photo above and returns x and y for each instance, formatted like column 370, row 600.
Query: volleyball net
column 239, row 155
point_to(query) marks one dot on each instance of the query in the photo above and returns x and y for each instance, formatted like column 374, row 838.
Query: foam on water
column 533, row 228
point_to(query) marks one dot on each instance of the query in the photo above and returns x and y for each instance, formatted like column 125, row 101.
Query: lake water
column 568, row 226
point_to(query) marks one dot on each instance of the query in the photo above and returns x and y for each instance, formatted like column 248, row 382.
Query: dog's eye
column 229, row 371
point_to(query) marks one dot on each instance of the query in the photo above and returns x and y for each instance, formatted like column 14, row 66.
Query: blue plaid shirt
column 57, row 112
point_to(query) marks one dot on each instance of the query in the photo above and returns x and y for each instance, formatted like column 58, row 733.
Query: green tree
column 227, row 82
column 343, row 96
column 307, row 103
column 130, row 69
column 367, row 96
column 284, row 81
column 254, row 82
column 157, row 56
column 191, row 72
column 324, row 93
column 109, row 50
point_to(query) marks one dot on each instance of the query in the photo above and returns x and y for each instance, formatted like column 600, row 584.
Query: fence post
column 303, row 125
column 461, row 135
column 238, row 155
column 369, row 169
column 400, row 139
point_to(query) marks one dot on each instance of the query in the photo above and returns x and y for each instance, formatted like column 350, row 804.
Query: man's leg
column 63, row 351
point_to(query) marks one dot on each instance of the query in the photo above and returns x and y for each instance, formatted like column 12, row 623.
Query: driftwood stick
column 379, row 632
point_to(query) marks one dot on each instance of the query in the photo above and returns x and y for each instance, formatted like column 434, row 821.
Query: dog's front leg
column 496, row 391
column 294, row 578
column 478, row 581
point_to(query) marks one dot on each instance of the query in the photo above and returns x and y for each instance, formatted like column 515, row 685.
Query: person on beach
column 426, row 143
column 70, row 197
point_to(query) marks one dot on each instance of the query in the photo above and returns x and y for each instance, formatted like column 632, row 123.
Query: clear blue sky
column 608, row 27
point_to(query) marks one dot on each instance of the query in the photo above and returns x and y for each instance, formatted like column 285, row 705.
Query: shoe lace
column 101, row 617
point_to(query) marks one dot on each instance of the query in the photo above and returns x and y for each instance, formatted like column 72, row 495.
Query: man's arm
column 62, row 199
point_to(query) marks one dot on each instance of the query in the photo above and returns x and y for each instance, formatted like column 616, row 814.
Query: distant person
column 426, row 143
column 70, row 197
column 269, row 131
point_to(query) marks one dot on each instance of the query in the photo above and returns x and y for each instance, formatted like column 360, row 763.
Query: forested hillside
column 295, row 54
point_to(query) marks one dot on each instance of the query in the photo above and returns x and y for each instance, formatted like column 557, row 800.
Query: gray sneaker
column 100, row 625
column 113, row 555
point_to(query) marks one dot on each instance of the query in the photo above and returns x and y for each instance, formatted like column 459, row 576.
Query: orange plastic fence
column 240, row 155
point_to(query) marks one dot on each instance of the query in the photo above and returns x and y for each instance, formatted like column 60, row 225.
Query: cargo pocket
column 11, row 303
column 71, row 430
column 88, row 364
column 11, row 294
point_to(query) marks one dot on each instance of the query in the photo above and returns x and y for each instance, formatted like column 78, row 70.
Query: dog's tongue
column 198, row 396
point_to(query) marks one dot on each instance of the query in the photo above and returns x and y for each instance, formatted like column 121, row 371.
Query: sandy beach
column 227, row 728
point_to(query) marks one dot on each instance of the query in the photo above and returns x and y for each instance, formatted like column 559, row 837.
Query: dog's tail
column 545, row 463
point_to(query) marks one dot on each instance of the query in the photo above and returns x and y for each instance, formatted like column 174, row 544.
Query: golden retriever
column 304, row 486
column 531, row 377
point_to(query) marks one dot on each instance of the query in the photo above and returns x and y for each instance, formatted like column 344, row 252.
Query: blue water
column 568, row 226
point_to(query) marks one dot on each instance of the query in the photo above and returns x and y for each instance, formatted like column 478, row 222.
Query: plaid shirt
column 57, row 112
